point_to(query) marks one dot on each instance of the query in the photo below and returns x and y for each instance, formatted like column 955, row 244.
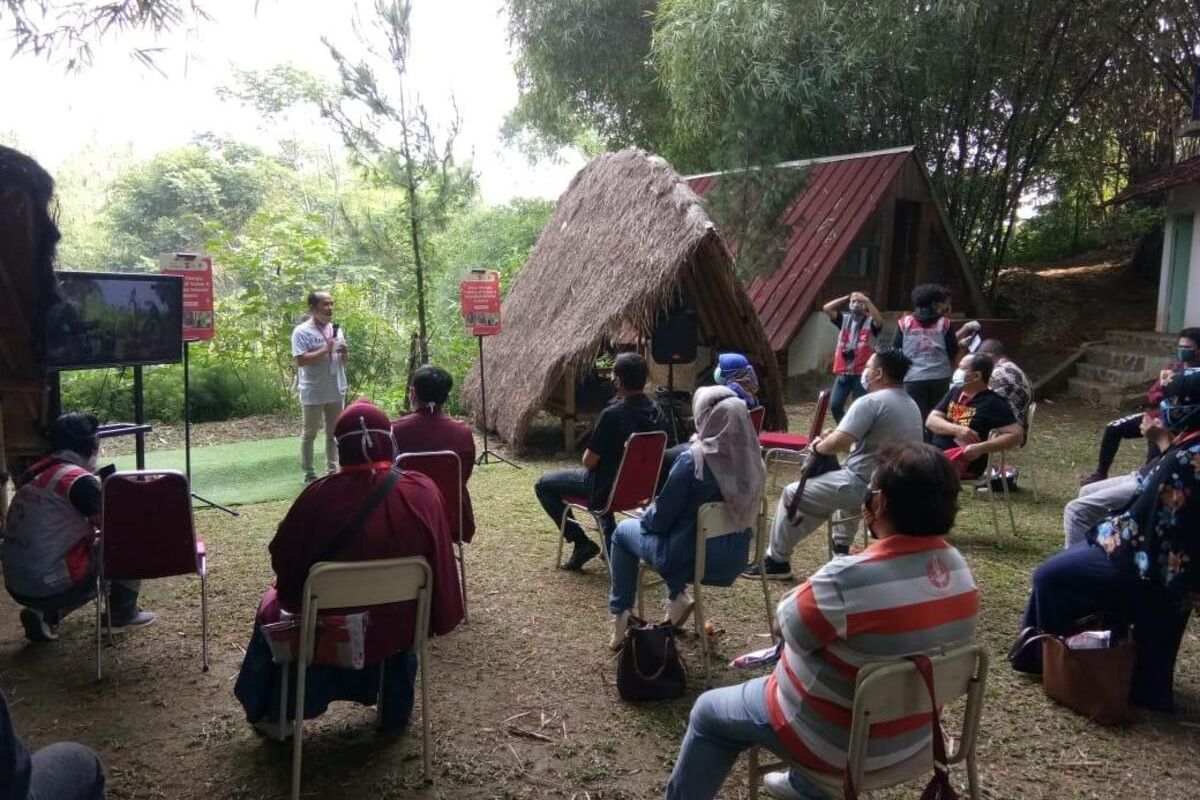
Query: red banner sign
column 480, row 292
column 197, row 275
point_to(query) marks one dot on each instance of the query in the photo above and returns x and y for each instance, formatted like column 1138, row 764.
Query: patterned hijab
column 726, row 442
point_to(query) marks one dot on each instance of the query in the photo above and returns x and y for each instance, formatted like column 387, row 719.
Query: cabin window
column 862, row 258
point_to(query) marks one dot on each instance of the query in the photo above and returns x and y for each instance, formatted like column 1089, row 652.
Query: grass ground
column 523, row 699
column 237, row 474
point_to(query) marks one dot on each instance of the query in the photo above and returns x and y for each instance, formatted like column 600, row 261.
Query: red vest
column 864, row 346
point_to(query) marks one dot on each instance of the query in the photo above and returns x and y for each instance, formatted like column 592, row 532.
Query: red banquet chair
column 633, row 487
column 757, row 415
column 776, row 440
column 147, row 531
column 444, row 468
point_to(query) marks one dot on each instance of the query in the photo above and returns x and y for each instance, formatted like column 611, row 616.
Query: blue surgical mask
column 865, row 383
column 717, row 376
column 958, row 378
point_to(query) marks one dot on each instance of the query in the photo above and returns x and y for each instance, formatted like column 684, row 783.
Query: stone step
column 1147, row 341
column 1139, row 363
column 1117, row 378
column 1095, row 392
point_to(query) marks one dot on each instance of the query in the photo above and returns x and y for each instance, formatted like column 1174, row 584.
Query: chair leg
column 204, row 620
column 698, row 611
column 379, row 696
column 641, row 592
column 562, row 532
column 426, row 718
column 99, row 595
column 298, row 727
column 753, row 776
column 462, row 573
column 283, row 702
column 995, row 513
column 972, row 777
column 1012, row 520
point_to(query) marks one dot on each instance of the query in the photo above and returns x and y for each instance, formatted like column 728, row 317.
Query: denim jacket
column 671, row 521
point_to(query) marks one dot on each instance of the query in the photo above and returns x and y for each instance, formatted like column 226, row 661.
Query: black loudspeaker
column 674, row 339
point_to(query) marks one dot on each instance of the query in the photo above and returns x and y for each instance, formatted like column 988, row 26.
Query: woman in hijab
column 1140, row 565
column 408, row 521
column 723, row 464
column 735, row 373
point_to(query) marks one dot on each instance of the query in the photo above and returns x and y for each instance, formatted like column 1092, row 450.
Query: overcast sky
column 459, row 47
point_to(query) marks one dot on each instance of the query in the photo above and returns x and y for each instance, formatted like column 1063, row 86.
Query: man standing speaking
column 319, row 347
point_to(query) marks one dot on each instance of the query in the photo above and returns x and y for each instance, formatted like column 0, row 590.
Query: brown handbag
column 939, row 787
column 1093, row 682
column 649, row 666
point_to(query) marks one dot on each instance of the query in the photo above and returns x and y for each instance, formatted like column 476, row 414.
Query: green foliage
column 584, row 74
column 219, row 391
column 991, row 93
column 177, row 199
column 1066, row 228
column 499, row 238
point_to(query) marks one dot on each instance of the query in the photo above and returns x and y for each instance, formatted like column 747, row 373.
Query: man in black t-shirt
column 968, row 417
column 632, row 412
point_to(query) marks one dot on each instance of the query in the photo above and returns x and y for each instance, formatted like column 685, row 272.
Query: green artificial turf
column 236, row 474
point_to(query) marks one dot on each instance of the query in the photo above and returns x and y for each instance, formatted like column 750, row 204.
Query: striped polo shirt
column 902, row 596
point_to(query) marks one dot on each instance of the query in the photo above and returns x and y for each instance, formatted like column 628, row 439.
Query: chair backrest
column 146, row 526
column 1029, row 412
column 894, row 690
column 443, row 467
column 361, row 584
column 757, row 415
column 822, row 409
column 712, row 521
column 637, row 476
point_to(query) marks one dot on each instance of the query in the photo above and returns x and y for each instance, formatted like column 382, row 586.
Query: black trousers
column 1115, row 432
column 557, row 484
column 927, row 394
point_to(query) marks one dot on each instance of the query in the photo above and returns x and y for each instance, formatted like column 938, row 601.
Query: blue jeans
column 631, row 546
column 724, row 722
column 844, row 387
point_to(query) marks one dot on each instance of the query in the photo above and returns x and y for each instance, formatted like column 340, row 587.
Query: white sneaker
column 778, row 785
column 679, row 609
column 620, row 625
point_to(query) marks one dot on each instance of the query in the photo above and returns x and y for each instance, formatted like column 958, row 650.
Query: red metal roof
column 841, row 194
column 1167, row 178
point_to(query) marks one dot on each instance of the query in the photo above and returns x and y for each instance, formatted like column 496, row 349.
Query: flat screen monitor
column 113, row 319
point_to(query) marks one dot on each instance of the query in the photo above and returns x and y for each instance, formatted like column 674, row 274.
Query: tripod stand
column 487, row 456
column 187, row 437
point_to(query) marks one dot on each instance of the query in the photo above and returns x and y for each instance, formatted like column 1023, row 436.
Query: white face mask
column 958, row 378
column 865, row 381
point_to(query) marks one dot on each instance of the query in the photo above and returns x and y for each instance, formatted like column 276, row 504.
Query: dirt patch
column 169, row 436
column 533, row 660
column 1069, row 302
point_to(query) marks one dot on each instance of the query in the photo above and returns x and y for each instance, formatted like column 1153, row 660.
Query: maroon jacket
column 423, row 431
column 410, row 522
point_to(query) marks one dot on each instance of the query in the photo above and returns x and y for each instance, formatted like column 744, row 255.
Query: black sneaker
column 841, row 549
column 776, row 570
column 584, row 552
column 1092, row 477
column 36, row 627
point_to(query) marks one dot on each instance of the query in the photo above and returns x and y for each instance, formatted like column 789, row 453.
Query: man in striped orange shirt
column 909, row 593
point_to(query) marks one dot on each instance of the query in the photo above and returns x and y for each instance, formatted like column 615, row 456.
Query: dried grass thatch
column 626, row 239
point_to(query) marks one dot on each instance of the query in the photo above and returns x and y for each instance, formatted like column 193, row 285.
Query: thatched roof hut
column 627, row 240
column 27, row 241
